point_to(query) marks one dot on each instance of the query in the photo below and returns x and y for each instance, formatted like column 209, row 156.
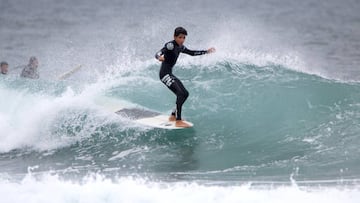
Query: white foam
column 29, row 119
column 50, row 188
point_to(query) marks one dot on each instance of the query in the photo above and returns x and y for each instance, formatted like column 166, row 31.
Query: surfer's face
column 180, row 39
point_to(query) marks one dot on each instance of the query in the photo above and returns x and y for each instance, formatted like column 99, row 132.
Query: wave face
column 251, row 123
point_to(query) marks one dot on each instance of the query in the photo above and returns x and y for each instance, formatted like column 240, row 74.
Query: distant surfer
column 168, row 55
column 31, row 70
column 4, row 68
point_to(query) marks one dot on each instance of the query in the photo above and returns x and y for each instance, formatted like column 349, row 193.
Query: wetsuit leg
column 176, row 86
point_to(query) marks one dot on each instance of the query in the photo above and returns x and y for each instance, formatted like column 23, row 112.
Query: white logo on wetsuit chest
column 167, row 80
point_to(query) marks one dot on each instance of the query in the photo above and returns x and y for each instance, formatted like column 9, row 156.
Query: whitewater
column 276, row 113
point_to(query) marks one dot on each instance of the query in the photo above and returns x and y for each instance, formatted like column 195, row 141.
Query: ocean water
column 276, row 109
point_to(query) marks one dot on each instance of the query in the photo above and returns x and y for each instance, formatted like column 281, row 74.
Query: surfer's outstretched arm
column 197, row 53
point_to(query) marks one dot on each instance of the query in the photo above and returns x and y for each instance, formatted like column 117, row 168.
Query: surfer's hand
column 161, row 58
column 211, row 50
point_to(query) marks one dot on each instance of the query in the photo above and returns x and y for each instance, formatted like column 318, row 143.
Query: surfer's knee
column 186, row 94
column 182, row 96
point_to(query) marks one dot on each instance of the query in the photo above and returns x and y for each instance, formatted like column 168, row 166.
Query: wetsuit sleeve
column 161, row 52
column 193, row 53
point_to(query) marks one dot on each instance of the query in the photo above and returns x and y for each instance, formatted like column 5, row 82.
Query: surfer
column 31, row 70
column 4, row 67
column 168, row 56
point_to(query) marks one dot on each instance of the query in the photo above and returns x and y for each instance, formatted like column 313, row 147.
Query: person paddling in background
column 31, row 70
column 168, row 55
column 4, row 68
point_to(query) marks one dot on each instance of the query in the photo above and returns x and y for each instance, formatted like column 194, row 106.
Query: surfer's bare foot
column 172, row 118
column 182, row 124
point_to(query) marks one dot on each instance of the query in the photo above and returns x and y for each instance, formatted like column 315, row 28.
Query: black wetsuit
column 171, row 52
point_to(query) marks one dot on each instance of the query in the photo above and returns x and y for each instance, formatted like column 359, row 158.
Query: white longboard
column 149, row 118
column 140, row 115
